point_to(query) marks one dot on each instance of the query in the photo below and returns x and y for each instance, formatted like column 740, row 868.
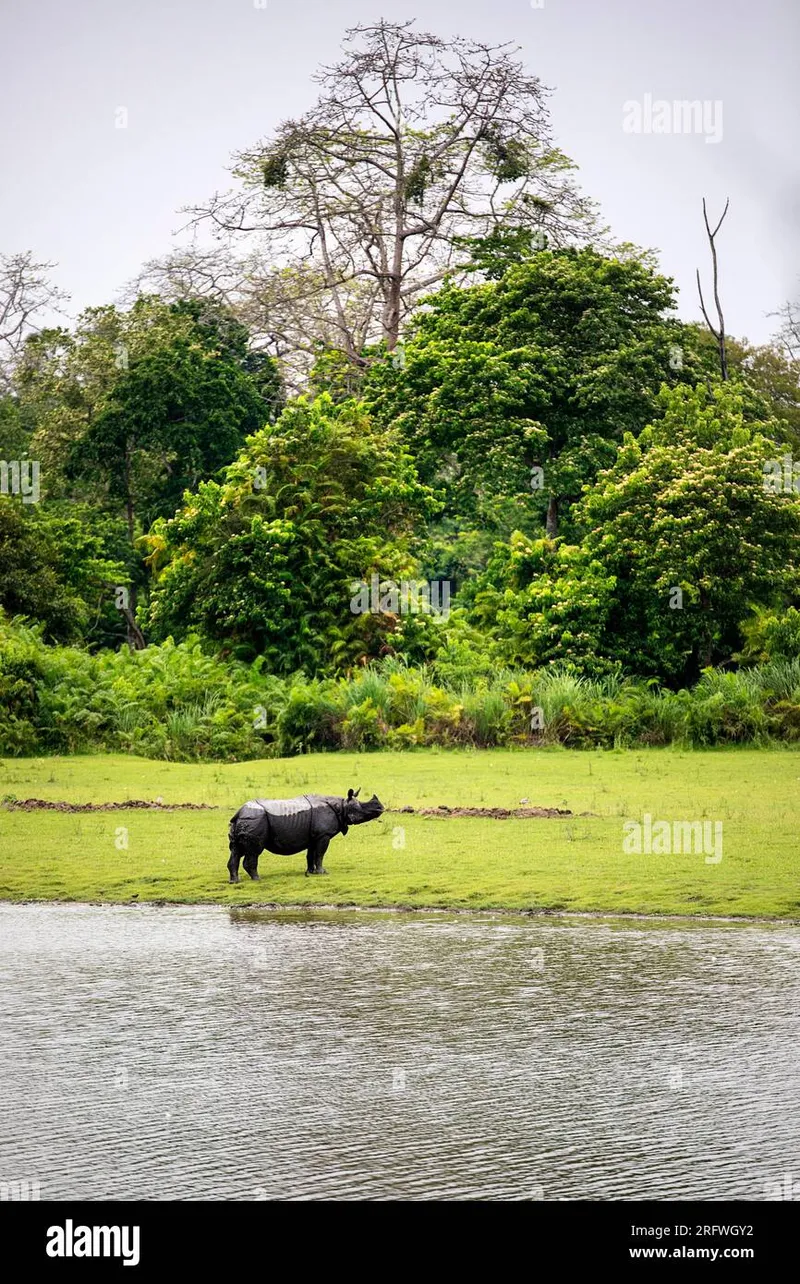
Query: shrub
column 726, row 708
column 177, row 702
column 308, row 719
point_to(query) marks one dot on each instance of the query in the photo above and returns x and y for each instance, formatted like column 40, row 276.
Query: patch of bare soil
column 131, row 804
column 40, row 804
column 492, row 813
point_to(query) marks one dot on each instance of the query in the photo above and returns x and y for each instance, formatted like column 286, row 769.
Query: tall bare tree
column 343, row 218
column 718, row 331
column 26, row 293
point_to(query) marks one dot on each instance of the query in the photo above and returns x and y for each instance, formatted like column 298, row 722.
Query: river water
column 202, row 1053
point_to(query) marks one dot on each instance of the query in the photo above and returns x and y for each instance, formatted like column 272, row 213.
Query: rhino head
column 357, row 813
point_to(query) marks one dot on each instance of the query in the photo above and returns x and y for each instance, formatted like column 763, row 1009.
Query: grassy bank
column 574, row 863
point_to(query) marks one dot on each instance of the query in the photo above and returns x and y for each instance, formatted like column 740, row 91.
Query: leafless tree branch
column 718, row 333
column 26, row 296
column 342, row 218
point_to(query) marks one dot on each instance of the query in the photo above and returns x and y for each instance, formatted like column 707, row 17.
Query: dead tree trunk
column 136, row 639
column 719, row 334
column 551, row 521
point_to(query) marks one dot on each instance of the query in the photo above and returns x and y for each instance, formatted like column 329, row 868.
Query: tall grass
column 179, row 703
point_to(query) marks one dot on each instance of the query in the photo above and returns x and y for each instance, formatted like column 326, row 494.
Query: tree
column 719, row 331
column 133, row 407
column 545, row 602
column 175, row 417
column 58, row 566
column 767, row 379
column 350, row 213
column 515, row 392
column 680, row 538
column 26, row 293
column 15, row 428
column 686, row 508
column 789, row 333
column 771, row 634
column 264, row 561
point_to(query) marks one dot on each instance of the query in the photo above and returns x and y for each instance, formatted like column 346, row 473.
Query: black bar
column 565, row 1235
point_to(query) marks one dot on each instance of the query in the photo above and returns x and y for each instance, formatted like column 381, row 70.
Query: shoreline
column 273, row 907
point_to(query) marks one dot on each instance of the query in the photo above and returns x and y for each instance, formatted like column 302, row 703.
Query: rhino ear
column 350, row 794
column 358, row 791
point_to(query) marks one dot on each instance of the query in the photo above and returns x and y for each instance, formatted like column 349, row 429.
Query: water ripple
column 188, row 1053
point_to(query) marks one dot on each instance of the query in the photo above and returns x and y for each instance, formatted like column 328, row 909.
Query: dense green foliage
column 178, row 703
column 121, row 415
column 59, row 564
column 264, row 562
column 550, row 443
column 679, row 536
column 546, row 368
column 135, row 406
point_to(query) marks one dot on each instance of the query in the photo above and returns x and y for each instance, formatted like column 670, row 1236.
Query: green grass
column 567, row 864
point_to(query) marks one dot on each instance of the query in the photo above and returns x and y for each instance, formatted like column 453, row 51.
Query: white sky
column 202, row 78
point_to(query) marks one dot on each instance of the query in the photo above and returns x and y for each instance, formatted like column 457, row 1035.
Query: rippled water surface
column 186, row 1053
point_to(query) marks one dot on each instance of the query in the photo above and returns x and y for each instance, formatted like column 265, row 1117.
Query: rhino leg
column 314, row 856
column 246, row 847
column 322, row 847
column 250, row 863
column 235, row 856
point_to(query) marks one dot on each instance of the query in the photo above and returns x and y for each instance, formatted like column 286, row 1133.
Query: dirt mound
column 40, row 804
column 492, row 813
column 132, row 804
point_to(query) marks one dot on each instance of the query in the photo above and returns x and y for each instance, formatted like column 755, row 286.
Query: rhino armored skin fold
column 286, row 826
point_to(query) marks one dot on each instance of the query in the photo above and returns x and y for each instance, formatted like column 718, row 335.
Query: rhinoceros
column 286, row 826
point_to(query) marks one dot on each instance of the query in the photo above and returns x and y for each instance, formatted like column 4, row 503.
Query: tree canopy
column 545, row 368
column 680, row 538
column 265, row 560
column 344, row 217
column 135, row 406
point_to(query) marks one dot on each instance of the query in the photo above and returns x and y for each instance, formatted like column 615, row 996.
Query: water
column 200, row 1053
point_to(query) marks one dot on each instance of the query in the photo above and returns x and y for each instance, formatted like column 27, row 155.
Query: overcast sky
column 202, row 78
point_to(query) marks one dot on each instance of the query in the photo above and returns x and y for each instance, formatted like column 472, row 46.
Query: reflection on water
column 187, row 1053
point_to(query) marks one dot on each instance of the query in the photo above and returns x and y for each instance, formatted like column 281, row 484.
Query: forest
column 401, row 350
